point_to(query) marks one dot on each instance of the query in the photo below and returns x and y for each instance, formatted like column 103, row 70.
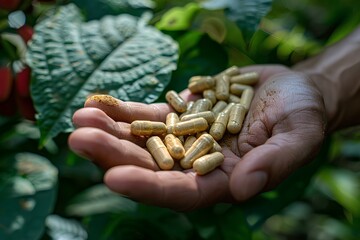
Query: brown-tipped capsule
column 247, row 97
column 176, row 101
column 222, row 87
column 147, row 128
column 189, row 142
column 199, row 148
column 216, row 147
column 210, row 94
column 190, row 127
column 219, row 107
column 198, row 84
column 231, row 71
column 208, row 115
column 234, row 99
column 160, row 153
column 249, row 78
column 174, row 146
column 201, row 105
column 208, row 163
column 218, row 128
column 238, row 89
column 171, row 120
column 236, row 118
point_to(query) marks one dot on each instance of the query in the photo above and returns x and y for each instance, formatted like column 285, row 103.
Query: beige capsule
column 210, row 94
column 231, row 71
column 228, row 108
column 199, row 148
column 198, row 84
column 249, row 78
column 236, row 118
column 247, row 97
column 238, row 89
column 219, row 106
column 208, row 163
column 234, row 99
column 218, row 128
column 201, row 105
column 174, row 146
column 176, row 101
column 208, row 115
column 171, row 119
column 190, row 127
column 222, row 88
column 216, row 147
column 147, row 128
column 188, row 108
column 189, row 142
column 160, row 153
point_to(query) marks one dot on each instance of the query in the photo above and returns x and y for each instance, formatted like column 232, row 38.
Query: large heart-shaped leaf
column 71, row 59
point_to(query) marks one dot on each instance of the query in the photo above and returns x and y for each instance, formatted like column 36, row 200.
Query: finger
column 172, row 189
column 265, row 166
column 129, row 111
column 108, row 151
column 96, row 118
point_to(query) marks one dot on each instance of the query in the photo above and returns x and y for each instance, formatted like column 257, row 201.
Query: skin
column 292, row 111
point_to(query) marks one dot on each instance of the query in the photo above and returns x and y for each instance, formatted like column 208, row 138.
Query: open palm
column 282, row 131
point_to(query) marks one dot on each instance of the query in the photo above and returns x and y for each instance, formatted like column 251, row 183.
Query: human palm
column 282, row 131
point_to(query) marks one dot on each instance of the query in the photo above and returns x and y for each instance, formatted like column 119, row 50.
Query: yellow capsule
column 238, row 89
column 171, row 120
column 222, row 88
column 190, row 127
column 218, row 128
column 199, row 148
column 208, row 115
column 234, row 99
column 201, row 105
column 160, row 153
column 231, row 71
column 216, row 147
column 208, row 163
column 219, row 106
column 210, row 94
column 236, row 118
column 247, row 97
column 249, row 78
column 176, row 101
column 189, row 142
column 198, row 84
column 174, row 146
column 147, row 128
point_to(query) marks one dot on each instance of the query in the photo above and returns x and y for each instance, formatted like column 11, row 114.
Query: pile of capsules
column 190, row 134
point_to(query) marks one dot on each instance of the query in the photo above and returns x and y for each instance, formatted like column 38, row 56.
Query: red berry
column 5, row 83
column 25, row 32
column 26, row 107
column 9, row 4
column 23, row 82
column 8, row 107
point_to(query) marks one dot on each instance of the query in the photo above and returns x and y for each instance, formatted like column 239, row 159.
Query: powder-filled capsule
column 210, row 94
column 208, row 115
column 238, row 89
column 160, row 153
column 201, row 105
column 247, row 97
column 218, row 128
column 222, row 88
column 174, row 146
column 190, row 127
column 198, row 84
column 176, row 101
column 231, row 71
column 147, row 128
column 208, row 163
column 219, row 106
column 236, row 118
column 189, row 142
column 249, row 78
column 171, row 119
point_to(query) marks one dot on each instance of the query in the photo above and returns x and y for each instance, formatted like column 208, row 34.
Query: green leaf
column 70, row 60
column 27, row 195
column 59, row 228
column 99, row 199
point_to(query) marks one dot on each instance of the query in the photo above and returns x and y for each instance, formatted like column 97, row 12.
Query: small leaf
column 71, row 59
column 59, row 228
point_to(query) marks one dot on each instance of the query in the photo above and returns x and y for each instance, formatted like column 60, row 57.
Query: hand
column 283, row 130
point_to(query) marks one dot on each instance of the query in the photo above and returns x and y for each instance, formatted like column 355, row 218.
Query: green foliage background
column 320, row 201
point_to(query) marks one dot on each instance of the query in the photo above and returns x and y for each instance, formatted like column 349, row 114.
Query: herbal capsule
column 222, row 88
column 171, row 120
column 234, row 99
column 208, row 163
column 188, row 108
column 147, row 128
column 201, row 105
column 210, row 94
column 249, row 78
column 174, row 146
column 216, row 147
column 198, row 84
column 219, row 106
column 200, row 133
column 160, row 153
column 231, row 71
column 208, row 115
column 228, row 108
column 238, row 89
column 247, row 97
column 218, row 128
column 176, row 101
column 190, row 127
column 236, row 118
column 189, row 142
column 199, row 148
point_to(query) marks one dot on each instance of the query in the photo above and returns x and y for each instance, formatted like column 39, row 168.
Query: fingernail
column 255, row 183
